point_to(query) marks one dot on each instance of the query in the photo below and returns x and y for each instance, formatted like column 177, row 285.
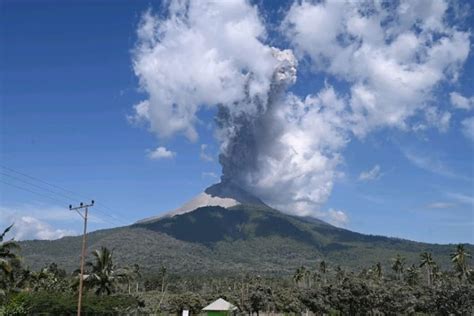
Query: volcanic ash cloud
column 283, row 148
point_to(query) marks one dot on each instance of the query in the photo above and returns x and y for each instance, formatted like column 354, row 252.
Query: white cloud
column 27, row 227
column 462, row 198
column 430, row 163
column 440, row 205
column 161, row 153
column 36, row 222
column 461, row 102
column 337, row 218
column 284, row 148
column 372, row 174
column 203, row 54
column 204, row 155
column 468, row 127
column 392, row 69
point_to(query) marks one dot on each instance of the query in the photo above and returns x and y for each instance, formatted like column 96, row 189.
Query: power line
column 113, row 223
column 39, row 187
column 117, row 220
column 34, row 192
column 65, row 202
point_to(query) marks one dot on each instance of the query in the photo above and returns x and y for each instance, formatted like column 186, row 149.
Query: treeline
column 423, row 288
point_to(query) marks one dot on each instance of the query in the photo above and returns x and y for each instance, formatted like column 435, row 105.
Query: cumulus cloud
column 372, row 174
column 461, row 102
column 34, row 222
column 161, row 153
column 204, row 53
column 27, row 227
column 282, row 147
column 337, row 218
column 392, row 56
column 468, row 127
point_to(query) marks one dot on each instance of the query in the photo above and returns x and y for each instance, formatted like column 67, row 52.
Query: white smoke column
column 212, row 54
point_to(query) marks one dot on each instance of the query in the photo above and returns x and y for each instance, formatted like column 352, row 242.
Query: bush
column 44, row 303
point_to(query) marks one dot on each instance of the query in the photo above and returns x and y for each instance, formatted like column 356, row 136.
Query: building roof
column 220, row 305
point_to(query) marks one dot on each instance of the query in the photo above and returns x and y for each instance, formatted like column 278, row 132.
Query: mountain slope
column 243, row 238
column 224, row 194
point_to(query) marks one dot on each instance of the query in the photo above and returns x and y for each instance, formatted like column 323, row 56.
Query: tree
column 323, row 269
column 428, row 262
column 398, row 266
column 412, row 275
column 299, row 275
column 102, row 273
column 459, row 259
column 129, row 274
column 378, row 271
column 8, row 259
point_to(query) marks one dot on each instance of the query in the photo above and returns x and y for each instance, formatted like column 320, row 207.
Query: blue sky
column 68, row 87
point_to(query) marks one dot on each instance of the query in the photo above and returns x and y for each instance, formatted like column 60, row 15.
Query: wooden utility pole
column 83, row 253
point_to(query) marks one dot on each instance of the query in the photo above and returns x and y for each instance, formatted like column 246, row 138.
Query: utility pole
column 83, row 253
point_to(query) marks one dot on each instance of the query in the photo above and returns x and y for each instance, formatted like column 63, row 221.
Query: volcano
column 227, row 230
column 224, row 194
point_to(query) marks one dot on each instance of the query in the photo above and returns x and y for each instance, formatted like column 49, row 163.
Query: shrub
column 47, row 303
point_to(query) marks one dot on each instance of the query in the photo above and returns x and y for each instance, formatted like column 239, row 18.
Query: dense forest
column 322, row 288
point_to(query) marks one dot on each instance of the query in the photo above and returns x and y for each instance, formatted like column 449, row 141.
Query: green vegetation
column 322, row 288
column 218, row 241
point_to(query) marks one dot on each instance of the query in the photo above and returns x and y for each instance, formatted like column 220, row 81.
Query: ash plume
column 284, row 148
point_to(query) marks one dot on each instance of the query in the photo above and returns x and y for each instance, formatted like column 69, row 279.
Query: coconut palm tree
column 378, row 271
column 299, row 275
column 428, row 262
column 8, row 257
column 9, row 262
column 323, row 269
column 128, row 275
column 412, row 275
column 398, row 266
column 459, row 259
column 102, row 273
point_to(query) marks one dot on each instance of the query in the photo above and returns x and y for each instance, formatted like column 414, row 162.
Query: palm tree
column 428, row 262
column 8, row 258
column 378, row 271
column 340, row 274
column 299, row 275
column 412, row 275
column 398, row 266
column 323, row 269
column 102, row 272
column 459, row 258
column 129, row 274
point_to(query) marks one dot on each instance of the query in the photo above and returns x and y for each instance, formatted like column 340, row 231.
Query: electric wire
column 115, row 219
column 63, row 189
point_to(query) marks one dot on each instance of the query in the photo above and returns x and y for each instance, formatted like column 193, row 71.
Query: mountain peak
column 224, row 194
column 227, row 189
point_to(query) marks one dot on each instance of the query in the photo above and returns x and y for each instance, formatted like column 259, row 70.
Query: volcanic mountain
column 223, row 194
column 227, row 230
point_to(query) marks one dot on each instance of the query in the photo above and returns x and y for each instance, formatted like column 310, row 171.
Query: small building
column 219, row 307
